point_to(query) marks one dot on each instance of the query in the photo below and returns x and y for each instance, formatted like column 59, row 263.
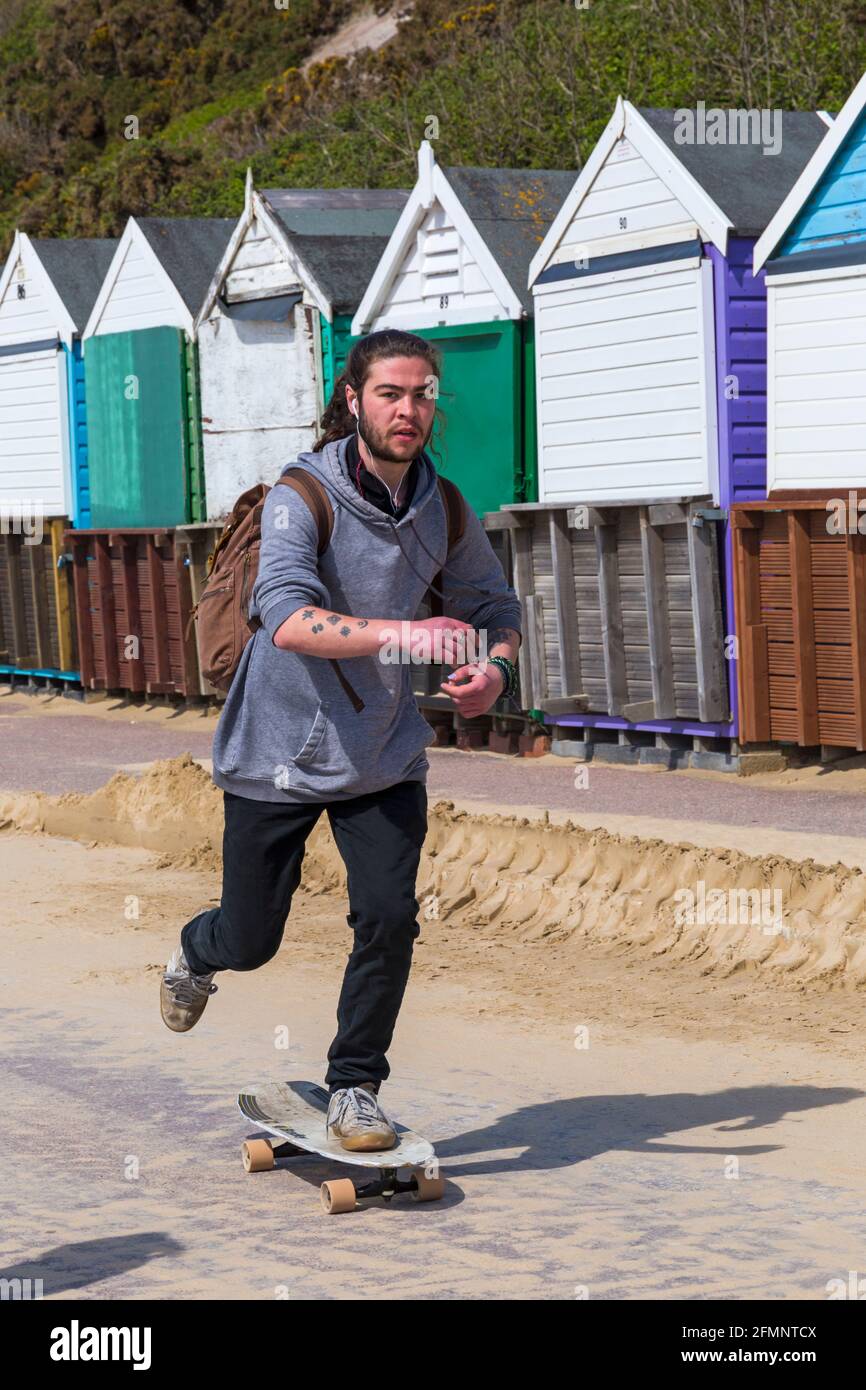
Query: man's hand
column 480, row 688
column 455, row 640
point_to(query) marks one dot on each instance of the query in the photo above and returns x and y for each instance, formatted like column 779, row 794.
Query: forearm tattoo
column 333, row 619
column 501, row 634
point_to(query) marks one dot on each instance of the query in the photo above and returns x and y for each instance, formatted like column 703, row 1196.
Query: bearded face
column 396, row 409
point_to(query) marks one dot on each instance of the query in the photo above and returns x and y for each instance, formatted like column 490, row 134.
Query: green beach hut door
column 140, row 391
column 481, row 445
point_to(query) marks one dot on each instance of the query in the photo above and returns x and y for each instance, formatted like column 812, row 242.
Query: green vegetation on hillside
column 215, row 85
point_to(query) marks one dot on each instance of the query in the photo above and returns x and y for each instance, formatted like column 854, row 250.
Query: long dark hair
column 337, row 419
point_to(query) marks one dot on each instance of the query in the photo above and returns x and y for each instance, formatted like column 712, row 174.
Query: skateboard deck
column 294, row 1113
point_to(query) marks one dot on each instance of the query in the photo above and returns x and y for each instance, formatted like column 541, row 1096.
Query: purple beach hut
column 651, row 408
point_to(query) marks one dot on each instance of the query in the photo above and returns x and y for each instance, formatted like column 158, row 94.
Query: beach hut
column 273, row 327
column 651, row 373
column 47, row 290
column 454, row 272
column 142, row 373
column 814, row 254
column 801, row 563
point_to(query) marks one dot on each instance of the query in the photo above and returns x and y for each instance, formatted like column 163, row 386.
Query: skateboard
column 294, row 1113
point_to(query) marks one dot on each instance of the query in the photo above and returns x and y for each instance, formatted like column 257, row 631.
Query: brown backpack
column 222, row 616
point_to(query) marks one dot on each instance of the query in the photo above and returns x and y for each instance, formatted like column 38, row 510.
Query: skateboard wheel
column 338, row 1196
column 428, row 1189
column 258, row 1155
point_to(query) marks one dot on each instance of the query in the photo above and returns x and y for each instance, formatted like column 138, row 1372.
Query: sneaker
column 183, row 995
column 356, row 1118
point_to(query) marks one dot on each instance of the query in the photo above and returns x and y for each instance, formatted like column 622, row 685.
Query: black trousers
column 379, row 837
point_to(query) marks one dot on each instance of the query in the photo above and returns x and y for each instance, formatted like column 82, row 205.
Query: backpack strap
column 455, row 513
column 316, row 498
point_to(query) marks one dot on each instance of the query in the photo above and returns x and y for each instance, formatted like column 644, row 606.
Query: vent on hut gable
column 440, row 259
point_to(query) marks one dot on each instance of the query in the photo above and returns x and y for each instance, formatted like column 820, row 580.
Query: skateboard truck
column 386, row 1186
column 342, row 1194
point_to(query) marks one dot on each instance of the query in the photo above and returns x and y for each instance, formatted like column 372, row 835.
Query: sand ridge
column 519, row 880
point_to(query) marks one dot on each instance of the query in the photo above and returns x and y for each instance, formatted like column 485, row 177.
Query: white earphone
column 354, row 409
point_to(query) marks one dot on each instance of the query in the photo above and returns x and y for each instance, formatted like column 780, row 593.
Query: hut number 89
column 443, row 301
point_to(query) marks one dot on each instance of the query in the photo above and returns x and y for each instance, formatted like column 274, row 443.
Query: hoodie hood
column 330, row 467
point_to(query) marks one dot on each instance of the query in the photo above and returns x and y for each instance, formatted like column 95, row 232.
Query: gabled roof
column 747, row 184
column 811, row 176
column 183, row 250
column 76, row 268
column 188, row 248
column 500, row 214
column 332, row 237
column 512, row 209
column 339, row 234
column 727, row 189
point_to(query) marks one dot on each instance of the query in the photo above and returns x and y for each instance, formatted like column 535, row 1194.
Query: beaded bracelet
column 508, row 670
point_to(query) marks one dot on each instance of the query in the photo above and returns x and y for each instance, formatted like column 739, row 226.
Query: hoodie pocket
column 360, row 752
column 313, row 741
column 297, row 772
column 248, row 754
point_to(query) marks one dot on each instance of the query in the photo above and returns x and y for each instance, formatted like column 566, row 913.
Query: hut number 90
column 623, row 223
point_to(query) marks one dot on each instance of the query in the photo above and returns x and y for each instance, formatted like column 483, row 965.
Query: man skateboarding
column 321, row 715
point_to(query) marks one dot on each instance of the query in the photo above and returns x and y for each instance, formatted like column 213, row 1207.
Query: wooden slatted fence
column 37, row 633
column 622, row 609
column 132, row 602
column 800, row 600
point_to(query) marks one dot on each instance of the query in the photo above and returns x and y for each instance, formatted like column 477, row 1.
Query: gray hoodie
column 288, row 731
